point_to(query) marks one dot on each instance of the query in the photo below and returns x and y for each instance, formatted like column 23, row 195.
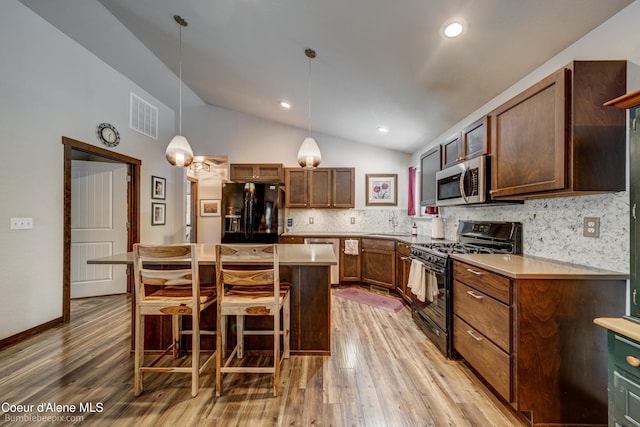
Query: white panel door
column 98, row 227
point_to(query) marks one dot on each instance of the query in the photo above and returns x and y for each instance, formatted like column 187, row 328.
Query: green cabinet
column 634, row 190
column 631, row 101
column 624, row 380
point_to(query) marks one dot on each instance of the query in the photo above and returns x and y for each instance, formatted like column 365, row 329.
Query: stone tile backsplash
column 552, row 228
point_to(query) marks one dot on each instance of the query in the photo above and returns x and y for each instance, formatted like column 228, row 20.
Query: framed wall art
column 209, row 207
column 158, row 213
column 158, row 187
column 382, row 189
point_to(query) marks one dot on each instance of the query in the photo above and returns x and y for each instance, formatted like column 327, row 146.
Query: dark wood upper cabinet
column 344, row 188
column 475, row 139
column 557, row 139
column 320, row 188
column 256, row 172
column 451, row 151
column 296, row 184
column 472, row 141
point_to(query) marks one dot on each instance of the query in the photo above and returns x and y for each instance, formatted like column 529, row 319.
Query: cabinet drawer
column 494, row 285
column 489, row 316
column 487, row 359
column 385, row 245
column 626, row 354
column 296, row 240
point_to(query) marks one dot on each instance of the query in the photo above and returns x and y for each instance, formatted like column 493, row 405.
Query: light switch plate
column 591, row 227
column 21, row 223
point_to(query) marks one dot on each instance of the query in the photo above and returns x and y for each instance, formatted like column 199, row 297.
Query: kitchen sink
column 390, row 234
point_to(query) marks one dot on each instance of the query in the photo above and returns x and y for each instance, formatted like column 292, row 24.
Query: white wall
column 209, row 227
column 52, row 87
column 246, row 139
column 553, row 227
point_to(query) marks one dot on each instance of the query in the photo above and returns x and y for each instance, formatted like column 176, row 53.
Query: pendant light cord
column 180, row 77
column 180, row 20
column 310, row 54
column 309, row 116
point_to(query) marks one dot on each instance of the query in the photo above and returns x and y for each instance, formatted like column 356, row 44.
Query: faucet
column 393, row 220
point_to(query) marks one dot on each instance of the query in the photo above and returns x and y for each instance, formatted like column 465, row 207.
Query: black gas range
column 435, row 317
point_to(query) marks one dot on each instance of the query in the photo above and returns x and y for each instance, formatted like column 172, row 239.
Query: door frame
column 133, row 208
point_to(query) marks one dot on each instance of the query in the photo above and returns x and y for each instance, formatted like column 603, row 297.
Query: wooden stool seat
column 250, row 292
column 173, row 292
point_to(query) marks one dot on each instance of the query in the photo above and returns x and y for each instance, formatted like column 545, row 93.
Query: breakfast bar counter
column 306, row 267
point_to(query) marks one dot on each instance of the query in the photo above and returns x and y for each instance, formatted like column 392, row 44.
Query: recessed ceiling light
column 383, row 129
column 453, row 29
column 285, row 104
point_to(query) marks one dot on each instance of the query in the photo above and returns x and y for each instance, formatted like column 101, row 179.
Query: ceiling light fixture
column 453, row 29
column 179, row 152
column 200, row 166
column 383, row 129
column 309, row 154
column 285, row 104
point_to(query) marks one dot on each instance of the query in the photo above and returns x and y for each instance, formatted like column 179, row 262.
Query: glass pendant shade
column 309, row 154
column 179, row 152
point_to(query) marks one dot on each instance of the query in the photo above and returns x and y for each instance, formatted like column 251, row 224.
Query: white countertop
column 313, row 255
column 528, row 267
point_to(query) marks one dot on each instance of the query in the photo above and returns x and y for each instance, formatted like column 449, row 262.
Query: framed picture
column 158, row 187
column 209, row 207
column 158, row 213
column 382, row 189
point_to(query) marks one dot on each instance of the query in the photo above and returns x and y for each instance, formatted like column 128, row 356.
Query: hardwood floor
column 382, row 372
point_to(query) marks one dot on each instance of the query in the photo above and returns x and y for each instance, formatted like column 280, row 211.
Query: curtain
column 411, row 209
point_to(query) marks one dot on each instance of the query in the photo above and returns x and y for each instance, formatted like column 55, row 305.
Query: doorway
column 77, row 150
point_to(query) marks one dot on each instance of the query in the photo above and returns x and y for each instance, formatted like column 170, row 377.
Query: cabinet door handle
column 473, row 294
column 472, row 271
column 474, row 336
column 633, row 361
column 404, row 258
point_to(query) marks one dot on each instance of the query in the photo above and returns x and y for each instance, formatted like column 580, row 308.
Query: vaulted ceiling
column 379, row 62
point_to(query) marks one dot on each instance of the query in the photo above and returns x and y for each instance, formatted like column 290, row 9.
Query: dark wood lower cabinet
column 403, row 265
column 310, row 315
column 534, row 341
column 350, row 270
column 379, row 262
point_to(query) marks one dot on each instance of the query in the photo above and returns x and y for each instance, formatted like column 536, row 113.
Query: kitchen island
column 306, row 267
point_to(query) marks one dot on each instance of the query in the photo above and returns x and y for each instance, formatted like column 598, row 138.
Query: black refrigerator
column 251, row 212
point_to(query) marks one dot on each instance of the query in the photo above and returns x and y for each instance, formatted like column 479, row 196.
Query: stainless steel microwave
column 464, row 183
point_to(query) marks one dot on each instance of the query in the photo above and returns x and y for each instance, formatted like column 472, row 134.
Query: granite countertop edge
column 531, row 267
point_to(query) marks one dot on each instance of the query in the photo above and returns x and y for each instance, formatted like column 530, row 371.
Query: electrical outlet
column 310, row 220
column 353, row 220
column 591, row 227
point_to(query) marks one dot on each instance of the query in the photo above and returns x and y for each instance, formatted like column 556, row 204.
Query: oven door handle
column 428, row 267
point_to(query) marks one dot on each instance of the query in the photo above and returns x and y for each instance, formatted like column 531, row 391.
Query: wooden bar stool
column 248, row 284
column 172, row 292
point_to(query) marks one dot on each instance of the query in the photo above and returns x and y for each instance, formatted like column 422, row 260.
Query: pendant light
column 179, row 152
column 309, row 154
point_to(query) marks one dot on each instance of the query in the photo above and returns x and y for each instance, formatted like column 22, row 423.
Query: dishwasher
column 335, row 269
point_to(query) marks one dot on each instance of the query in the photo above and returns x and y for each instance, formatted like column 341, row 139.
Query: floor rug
column 369, row 298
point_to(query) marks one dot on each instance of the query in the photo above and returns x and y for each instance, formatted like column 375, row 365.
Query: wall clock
column 108, row 134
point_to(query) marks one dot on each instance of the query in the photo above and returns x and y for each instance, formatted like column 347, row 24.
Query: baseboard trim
column 21, row 336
